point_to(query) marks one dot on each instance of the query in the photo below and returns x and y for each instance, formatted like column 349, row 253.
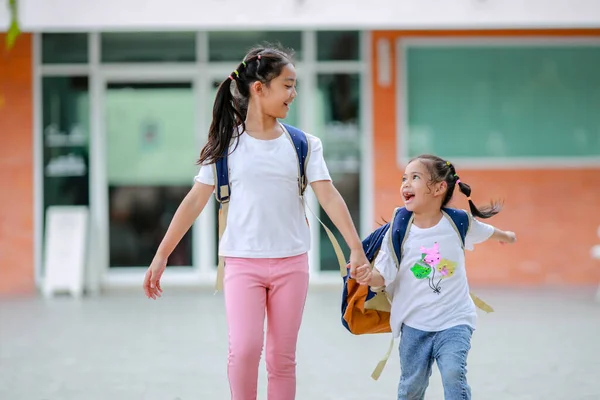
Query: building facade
column 110, row 110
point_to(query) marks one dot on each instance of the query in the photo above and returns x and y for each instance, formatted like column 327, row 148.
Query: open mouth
column 408, row 197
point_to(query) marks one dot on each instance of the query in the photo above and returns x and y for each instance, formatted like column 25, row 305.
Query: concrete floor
column 537, row 345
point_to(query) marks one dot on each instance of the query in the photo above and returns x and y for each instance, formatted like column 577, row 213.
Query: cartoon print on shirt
column 431, row 256
column 431, row 263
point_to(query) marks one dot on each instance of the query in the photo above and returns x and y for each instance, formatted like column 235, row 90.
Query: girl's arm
column 503, row 236
column 337, row 210
column 187, row 212
column 480, row 232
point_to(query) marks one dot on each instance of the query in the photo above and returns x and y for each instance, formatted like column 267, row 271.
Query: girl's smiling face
column 418, row 191
column 277, row 96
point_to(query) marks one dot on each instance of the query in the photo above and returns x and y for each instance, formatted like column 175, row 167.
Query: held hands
column 363, row 275
column 360, row 267
column 357, row 259
column 151, row 285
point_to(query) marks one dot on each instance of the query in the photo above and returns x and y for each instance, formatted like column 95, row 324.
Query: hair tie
column 244, row 64
column 237, row 75
column 448, row 163
column 469, row 198
column 259, row 57
column 457, row 181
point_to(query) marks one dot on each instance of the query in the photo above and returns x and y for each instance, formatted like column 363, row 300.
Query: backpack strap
column 460, row 221
column 222, row 194
column 221, row 175
column 401, row 221
column 302, row 146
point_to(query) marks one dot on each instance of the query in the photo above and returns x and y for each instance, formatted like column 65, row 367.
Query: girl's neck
column 427, row 219
column 261, row 126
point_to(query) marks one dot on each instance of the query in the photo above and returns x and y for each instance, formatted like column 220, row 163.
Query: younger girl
column 267, row 237
column 431, row 307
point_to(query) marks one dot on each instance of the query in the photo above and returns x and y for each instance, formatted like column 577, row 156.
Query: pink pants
column 253, row 286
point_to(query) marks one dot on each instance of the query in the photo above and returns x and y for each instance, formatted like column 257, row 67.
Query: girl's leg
column 451, row 348
column 416, row 359
column 285, row 304
column 245, row 299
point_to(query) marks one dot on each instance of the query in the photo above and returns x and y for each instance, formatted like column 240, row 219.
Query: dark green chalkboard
column 503, row 101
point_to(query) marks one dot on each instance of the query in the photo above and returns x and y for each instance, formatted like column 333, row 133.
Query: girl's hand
column 509, row 237
column 364, row 273
column 357, row 259
column 152, row 279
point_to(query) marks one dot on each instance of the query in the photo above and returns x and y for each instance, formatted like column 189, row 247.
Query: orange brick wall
column 16, row 168
column 555, row 213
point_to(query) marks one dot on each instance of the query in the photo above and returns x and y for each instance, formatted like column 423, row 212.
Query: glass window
column 139, row 47
column 338, row 45
column 337, row 110
column 233, row 46
column 64, row 48
column 151, row 155
column 65, row 120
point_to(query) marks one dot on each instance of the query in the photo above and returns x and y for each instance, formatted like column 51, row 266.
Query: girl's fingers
column 146, row 284
column 363, row 269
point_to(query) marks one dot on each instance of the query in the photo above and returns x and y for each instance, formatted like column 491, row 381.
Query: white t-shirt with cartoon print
column 266, row 216
column 430, row 291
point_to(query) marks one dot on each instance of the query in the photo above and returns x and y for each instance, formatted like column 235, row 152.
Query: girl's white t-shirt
column 430, row 291
column 266, row 216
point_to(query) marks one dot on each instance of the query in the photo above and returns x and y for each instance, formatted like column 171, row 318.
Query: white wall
column 84, row 15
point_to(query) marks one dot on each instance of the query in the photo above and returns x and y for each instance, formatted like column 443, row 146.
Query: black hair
column 443, row 171
column 261, row 64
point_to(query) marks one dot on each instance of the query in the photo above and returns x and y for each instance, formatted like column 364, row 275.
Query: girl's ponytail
column 443, row 171
column 483, row 212
column 226, row 117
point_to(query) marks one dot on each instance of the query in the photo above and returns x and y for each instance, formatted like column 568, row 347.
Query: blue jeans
column 449, row 348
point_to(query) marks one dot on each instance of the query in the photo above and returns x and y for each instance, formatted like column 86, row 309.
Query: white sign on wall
column 65, row 249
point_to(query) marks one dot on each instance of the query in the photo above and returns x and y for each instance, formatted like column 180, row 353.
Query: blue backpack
column 367, row 310
column 301, row 144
